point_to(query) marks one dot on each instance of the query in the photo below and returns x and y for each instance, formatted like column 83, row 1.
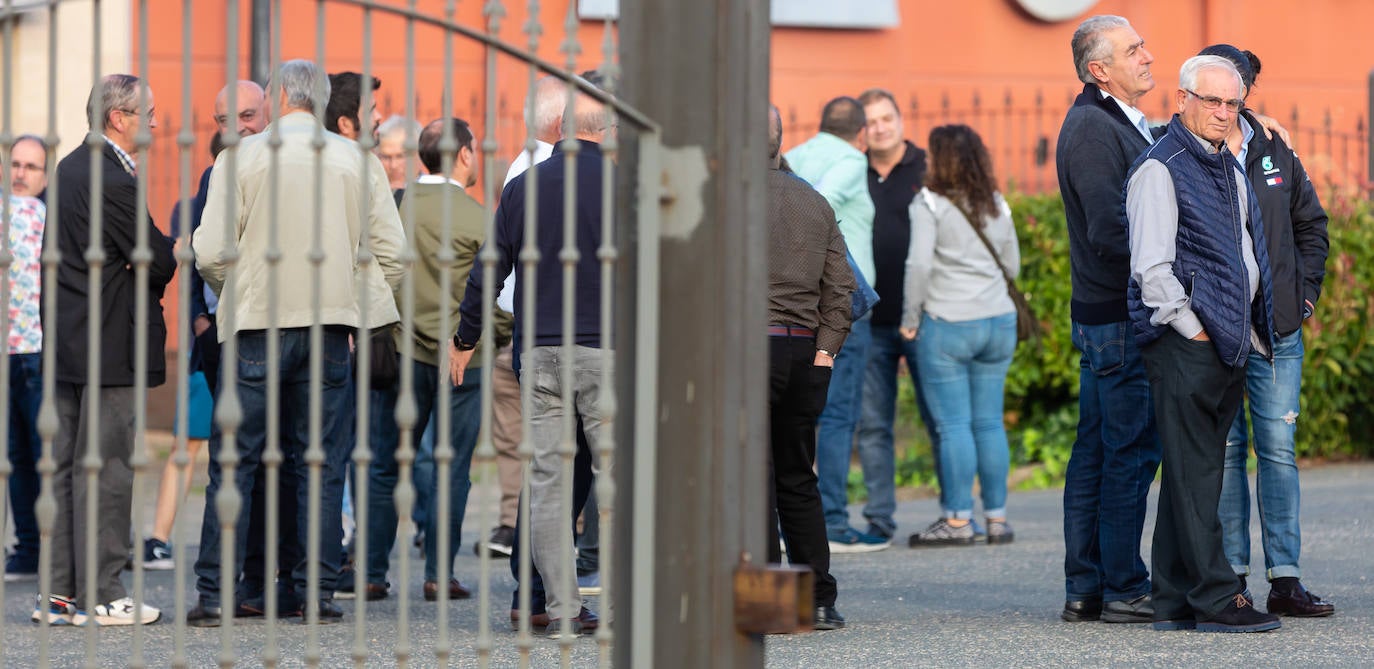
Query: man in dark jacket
column 1295, row 229
column 101, row 396
column 1200, row 300
column 1116, row 453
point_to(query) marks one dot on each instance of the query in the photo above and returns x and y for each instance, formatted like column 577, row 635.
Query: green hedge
column 1337, row 420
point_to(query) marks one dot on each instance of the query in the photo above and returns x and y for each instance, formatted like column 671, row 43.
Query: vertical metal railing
column 6, row 259
column 186, row 262
column 155, row 158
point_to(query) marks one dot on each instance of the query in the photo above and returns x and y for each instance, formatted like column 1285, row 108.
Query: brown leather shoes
column 455, row 590
column 1299, row 603
column 589, row 621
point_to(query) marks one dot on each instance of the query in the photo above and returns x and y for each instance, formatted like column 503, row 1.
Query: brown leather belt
column 790, row 331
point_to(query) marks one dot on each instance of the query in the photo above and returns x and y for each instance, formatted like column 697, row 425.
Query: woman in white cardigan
column 964, row 322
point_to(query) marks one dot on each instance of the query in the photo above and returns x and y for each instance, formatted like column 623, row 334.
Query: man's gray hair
column 304, row 83
column 117, row 92
column 546, row 110
column 1090, row 43
column 397, row 125
column 1187, row 75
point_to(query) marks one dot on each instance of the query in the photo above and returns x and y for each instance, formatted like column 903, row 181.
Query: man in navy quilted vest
column 1200, row 302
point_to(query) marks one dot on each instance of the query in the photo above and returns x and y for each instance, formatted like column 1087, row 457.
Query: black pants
column 1196, row 397
column 796, row 395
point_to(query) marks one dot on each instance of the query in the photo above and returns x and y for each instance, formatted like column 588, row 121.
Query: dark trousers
column 1111, row 468
column 113, row 490
column 1196, row 397
column 796, row 394
column 294, row 409
column 26, row 394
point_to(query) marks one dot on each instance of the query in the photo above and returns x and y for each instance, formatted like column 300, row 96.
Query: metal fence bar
column 141, row 259
column 529, row 259
column 314, row 451
column 605, row 447
column 273, row 456
column 186, row 263
column 406, row 413
column 485, row 455
column 228, row 411
column 569, row 256
column 45, row 509
column 90, row 401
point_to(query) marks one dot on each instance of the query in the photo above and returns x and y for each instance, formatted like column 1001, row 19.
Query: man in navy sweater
column 1115, row 456
column 542, row 368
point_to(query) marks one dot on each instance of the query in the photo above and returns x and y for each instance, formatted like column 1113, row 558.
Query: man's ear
column 348, row 128
column 1098, row 71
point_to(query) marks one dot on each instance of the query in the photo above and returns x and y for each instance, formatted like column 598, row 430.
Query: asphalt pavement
column 979, row 606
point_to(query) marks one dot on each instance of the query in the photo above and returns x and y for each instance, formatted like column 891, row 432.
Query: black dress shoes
column 1138, row 610
column 204, row 616
column 1081, row 610
column 1239, row 616
column 1299, row 603
column 827, row 618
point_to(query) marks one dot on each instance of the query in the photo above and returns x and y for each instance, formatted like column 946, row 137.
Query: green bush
column 1042, row 386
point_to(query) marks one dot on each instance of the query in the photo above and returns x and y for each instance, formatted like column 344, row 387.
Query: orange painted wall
column 942, row 56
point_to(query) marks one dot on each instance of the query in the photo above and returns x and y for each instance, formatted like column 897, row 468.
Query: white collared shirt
column 1136, row 117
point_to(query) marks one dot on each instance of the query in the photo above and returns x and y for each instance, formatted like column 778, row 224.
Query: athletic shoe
column 157, row 555
column 60, row 610
column 850, row 540
column 941, row 533
column 119, row 612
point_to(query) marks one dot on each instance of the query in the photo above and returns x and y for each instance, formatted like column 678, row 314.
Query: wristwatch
column 461, row 345
column 827, row 354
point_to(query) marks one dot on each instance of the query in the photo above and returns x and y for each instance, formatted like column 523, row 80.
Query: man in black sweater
column 1117, row 451
column 541, row 369
column 896, row 171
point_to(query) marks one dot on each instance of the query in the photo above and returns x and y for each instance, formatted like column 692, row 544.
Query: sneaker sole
column 20, row 576
column 54, row 619
column 858, row 548
column 1237, row 629
column 164, row 564
column 1174, row 625
column 937, row 543
column 81, row 620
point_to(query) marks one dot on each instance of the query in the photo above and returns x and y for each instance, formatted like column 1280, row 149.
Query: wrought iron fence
column 1021, row 132
column 298, row 440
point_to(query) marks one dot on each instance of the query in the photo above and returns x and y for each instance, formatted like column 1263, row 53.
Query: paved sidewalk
column 998, row 606
column 983, row 606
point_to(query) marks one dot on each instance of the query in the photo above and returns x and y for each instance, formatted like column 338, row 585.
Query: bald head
column 251, row 112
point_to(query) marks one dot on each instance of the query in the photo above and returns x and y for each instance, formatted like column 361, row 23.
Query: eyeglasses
column 1212, row 102
column 151, row 115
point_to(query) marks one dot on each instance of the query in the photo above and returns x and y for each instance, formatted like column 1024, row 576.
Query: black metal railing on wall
column 1021, row 131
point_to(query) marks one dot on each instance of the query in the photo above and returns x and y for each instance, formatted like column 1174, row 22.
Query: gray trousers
column 550, row 533
column 113, row 491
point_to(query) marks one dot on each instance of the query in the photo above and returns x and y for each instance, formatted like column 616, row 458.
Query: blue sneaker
column 850, row 540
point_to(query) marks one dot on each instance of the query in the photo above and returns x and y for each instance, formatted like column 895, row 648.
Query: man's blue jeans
column 963, row 373
column 1273, row 390
column 26, row 394
column 1110, row 470
column 838, row 423
column 336, row 419
column 465, row 415
column 877, row 416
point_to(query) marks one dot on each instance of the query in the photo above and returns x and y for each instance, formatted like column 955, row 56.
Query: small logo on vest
column 1274, row 181
column 1267, row 164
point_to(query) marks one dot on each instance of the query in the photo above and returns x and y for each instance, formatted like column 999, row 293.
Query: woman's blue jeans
column 963, row 371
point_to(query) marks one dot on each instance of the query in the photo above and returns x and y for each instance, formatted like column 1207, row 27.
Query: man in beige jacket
column 280, row 244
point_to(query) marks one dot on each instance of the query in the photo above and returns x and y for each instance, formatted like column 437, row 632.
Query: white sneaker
column 118, row 612
column 60, row 610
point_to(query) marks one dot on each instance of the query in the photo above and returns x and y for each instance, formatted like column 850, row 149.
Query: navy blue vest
column 1208, row 260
